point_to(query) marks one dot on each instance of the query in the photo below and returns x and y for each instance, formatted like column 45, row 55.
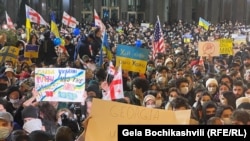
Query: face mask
column 159, row 64
column 184, row 90
column 3, row 87
column 247, row 65
column 129, row 83
column 150, row 69
column 170, row 66
column 227, row 121
column 59, row 121
column 170, row 99
column 150, row 106
column 4, row 132
column 13, row 101
column 162, row 79
column 211, row 90
column 202, row 103
column 32, row 125
column 209, row 116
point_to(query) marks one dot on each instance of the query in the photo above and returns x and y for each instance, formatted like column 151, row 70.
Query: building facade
column 140, row 10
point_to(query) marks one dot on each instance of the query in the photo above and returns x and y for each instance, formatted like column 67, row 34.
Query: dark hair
column 13, row 89
column 241, row 115
column 180, row 101
column 231, row 99
column 180, row 80
column 141, row 83
column 220, row 109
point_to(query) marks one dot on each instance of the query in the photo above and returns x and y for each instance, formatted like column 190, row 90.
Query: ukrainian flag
column 203, row 23
column 28, row 24
column 106, row 47
column 53, row 25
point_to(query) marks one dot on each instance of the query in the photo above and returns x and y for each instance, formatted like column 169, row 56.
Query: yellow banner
column 106, row 115
column 9, row 53
column 132, row 64
column 226, row 46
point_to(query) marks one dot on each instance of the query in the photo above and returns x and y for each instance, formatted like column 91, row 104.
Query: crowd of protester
column 216, row 89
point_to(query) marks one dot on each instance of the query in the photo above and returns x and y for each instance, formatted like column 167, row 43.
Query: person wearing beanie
column 212, row 88
column 93, row 90
column 149, row 101
column 31, row 119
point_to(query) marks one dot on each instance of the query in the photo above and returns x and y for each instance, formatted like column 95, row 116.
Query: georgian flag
column 115, row 89
column 98, row 22
column 111, row 68
column 69, row 20
column 35, row 17
column 9, row 21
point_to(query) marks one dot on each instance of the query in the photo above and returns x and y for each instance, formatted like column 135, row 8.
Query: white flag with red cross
column 69, row 20
column 98, row 22
column 9, row 21
column 35, row 17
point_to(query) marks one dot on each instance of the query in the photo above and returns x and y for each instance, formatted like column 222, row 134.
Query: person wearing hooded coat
column 47, row 53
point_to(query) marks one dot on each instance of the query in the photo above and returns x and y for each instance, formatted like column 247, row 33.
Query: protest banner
column 9, row 53
column 107, row 115
column 60, row 84
column 209, row 48
column 31, row 51
column 226, row 46
column 132, row 58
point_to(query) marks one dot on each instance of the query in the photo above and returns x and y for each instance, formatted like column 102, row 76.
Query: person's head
column 214, row 121
column 13, row 94
column 180, row 103
column 238, row 88
column 9, row 72
column 172, row 94
column 39, row 135
column 149, row 101
column 3, row 83
column 240, row 117
column 212, row 85
column 204, row 98
column 64, row 133
column 140, row 86
column 224, row 112
column 19, row 135
column 223, row 87
column 31, row 119
column 182, row 85
column 208, row 110
column 6, row 125
column 93, row 90
column 247, row 91
column 228, row 98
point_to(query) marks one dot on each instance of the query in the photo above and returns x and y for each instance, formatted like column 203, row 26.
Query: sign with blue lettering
column 60, row 84
column 132, row 58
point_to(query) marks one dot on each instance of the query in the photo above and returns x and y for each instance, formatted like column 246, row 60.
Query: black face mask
column 209, row 116
column 3, row 87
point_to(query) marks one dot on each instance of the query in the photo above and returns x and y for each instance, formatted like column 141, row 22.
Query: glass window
column 135, row 5
column 87, row 5
column 109, row 3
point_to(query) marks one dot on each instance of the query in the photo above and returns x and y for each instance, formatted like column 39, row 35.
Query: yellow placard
column 226, row 46
column 107, row 115
column 130, row 64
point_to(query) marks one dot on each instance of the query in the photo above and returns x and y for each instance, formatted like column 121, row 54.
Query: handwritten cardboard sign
column 106, row 115
column 209, row 48
column 60, row 84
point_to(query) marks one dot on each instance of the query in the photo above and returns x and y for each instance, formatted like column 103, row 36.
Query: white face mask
column 171, row 99
column 4, row 132
column 14, row 101
column 150, row 106
column 184, row 90
column 227, row 121
column 32, row 125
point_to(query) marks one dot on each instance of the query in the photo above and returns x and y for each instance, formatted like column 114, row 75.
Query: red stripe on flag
column 112, row 87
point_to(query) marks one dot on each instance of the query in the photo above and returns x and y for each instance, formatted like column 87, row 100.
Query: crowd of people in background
column 216, row 89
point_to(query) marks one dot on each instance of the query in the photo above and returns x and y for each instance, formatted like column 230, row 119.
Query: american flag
column 158, row 42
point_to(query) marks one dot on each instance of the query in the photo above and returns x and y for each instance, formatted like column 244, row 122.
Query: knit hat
column 211, row 81
column 30, row 112
column 147, row 98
